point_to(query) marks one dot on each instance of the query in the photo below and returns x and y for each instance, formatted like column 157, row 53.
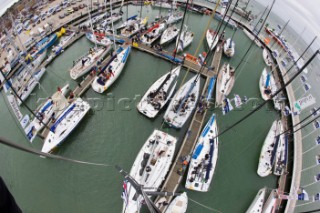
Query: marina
column 114, row 127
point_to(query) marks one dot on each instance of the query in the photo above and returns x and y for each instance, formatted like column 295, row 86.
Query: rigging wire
column 179, row 35
column 302, row 53
column 255, row 35
column 57, row 157
column 211, row 52
column 23, row 103
column 272, row 96
column 201, row 40
column 204, row 206
column 211, row 49
column 306, row 118
column 42, row 154
column 16, row 121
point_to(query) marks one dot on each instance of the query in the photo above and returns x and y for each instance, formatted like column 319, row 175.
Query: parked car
column 43, row 17
column 70, row 10
column 61, row 16
column 65, row 4
column 50, row 11
column 19, row 28
column 75, row 8
column 81, row 6
column 58, row 8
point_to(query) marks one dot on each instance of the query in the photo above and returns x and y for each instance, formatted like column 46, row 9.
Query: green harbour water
column 113, row 133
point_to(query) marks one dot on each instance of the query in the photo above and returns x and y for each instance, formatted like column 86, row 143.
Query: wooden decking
column 174, row 179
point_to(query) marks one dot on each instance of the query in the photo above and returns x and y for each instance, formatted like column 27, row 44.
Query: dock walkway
column 78, row 91
column 162, row 54
column 174, row 179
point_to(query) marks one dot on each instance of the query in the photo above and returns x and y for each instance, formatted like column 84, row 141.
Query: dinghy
column 55, row 104
column 159, row 93
column 153, row 33
column 183, row 103
column 27, row 88
column 270, row 204
column 257, row 203
column 113, row 70
column 281, row 154
column 87, row 62
column 204, row 158
column 225, row 82
column 266, row 57
column 185, row 40
column 64, row 124
column 179, row 204
column 174, row 17
column 150, row 167
column 228, row 48
column 212, row 38
column 268, row 150
column 99, row 39
column 169, row 34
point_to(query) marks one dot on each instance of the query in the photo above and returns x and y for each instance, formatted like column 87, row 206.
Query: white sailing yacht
column 185, row 40
column 99, row 39
column 258, row 202
column 150, row 167
column 266, row 57
column 268, row 151
column 108, row 76
column 212, row 38
column 65, row 123
column 29, row 86
column 270, row 204
column 225, row 82
column 54, row 105
column 133, row 27
column 169, row 34
column 23, row 76
column 85, row 63
column 159, row 93
column 173, row 17
column 204, row 158
column 268, row 87
column 266, row 84
column 229, row 48
column 281, row 154
column 153, row 33
column 179, row 204
column 183, row 103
